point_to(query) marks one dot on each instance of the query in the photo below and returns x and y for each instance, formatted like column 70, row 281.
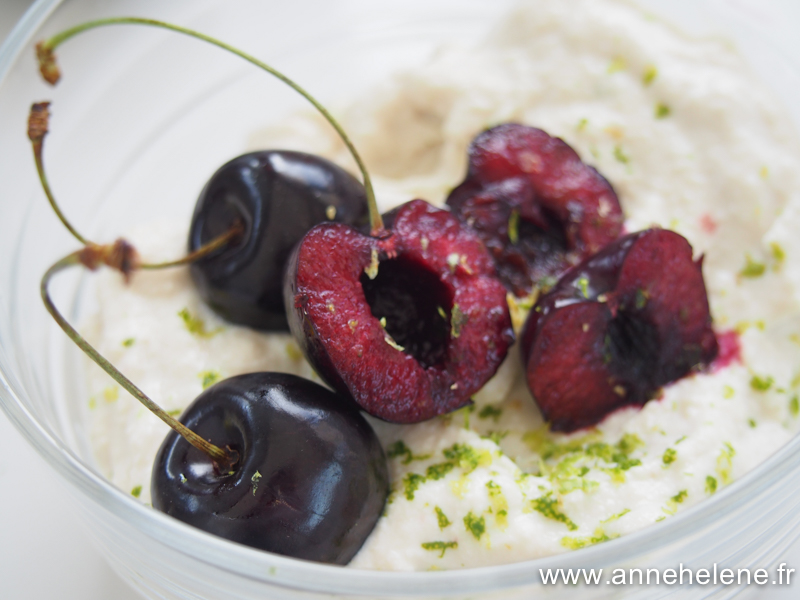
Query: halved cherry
column 538, row 208
column 410, row 323
column 616, row 328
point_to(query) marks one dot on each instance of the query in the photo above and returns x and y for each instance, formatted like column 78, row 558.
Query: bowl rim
column 304, row 575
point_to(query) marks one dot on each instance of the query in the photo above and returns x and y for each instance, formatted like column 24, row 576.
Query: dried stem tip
column 38, row 121
column 47, row 63
column 120, row 255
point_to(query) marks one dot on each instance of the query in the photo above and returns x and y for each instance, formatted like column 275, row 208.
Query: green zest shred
column 209, row 378
column 778, row 254
column 195, row 325
column 567, row 476
column 649, row 75
column 761, row 384
column 254, row 480
column 136, row 491
column 439, row 470
column 662, row 111
column 711, row 484
column 490, row 412
column 475, row 525
column 574, row 543
column 670, row 456
column 436, row 546
column 457, row 320
column 499, row 503
column 583, row 284
column 617, row 516
column 549, row 507
column 513, row 227
column 467, row 458
column 399, row 448
column 442, row 518
column 672, row 503
column 725, row 463
column 411, row 483
column 462, row 456
column 752, row 269
column 620, row 155
column 566, row 464
column 679, row 497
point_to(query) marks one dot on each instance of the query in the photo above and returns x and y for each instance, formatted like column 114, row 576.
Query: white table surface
column 44, row 551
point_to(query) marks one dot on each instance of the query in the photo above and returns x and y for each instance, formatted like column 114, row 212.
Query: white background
column 45, row 552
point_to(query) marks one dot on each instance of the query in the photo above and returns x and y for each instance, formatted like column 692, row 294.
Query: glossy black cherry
column 311, row 480
column 277, row 196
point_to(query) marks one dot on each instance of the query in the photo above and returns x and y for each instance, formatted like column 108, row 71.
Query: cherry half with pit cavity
column 409, row 322
column 311, row 480
column 538, row 208
column 276, row 197
column 616, row 328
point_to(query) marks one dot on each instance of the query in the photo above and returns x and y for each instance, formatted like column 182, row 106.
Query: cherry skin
column 277, row 196
column 311, row 479
column 617, row 327
column 538, row 208
column 409, row 324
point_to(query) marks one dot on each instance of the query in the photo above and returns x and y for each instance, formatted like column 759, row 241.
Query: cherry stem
column 50, row 72
column 217, row 243
column 38, row 123
column 224, row 460
column 37, row 130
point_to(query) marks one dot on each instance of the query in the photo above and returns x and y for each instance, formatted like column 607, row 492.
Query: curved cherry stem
column 215, row 244
column 50, row 72
column 38, row 122
column 224, row 460
column 37, row 130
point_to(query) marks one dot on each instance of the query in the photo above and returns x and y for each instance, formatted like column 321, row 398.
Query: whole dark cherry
column 311, row 478
column 277, row 196
column 409, row 322
column 617, row 327
column 538, row 208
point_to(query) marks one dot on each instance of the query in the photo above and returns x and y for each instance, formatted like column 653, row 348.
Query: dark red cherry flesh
column 277, row 196
column 311, row 479
column 409, row 324
column 616, row 328
column 538, row 208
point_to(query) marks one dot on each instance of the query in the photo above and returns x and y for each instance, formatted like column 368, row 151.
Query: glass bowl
column 143, row 110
